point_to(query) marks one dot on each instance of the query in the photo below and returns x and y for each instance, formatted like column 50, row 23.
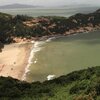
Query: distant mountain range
column 80, row 5
column 13, row 6
column 17, row 5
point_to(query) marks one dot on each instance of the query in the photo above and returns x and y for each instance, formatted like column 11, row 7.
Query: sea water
column 63, row 55
column 54, row 11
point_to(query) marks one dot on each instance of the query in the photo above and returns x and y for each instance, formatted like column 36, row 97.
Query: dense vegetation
column 9, row 26
column 28, row 27
column 78, row 85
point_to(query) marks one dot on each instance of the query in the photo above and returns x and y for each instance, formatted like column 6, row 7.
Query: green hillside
column 78, row 85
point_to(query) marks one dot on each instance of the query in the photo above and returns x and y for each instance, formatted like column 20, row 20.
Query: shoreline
column 28, row 54
column 35, row 48
column 70, row 33
column 29, row 62
column 73, row 31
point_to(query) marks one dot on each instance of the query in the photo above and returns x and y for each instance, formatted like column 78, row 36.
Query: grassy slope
column 78, row 85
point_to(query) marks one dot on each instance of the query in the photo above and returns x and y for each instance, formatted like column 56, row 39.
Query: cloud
column 50, row 2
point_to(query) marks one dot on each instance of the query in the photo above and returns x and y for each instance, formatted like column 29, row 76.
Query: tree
column 1, row 46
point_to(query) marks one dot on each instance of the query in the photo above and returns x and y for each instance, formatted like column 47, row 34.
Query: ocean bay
column 66, row 54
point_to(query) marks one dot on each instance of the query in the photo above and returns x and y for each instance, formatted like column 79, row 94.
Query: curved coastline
column 37, row 46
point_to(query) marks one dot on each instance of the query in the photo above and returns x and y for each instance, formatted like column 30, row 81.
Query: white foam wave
column 48, row 40
column 36, row 47
column 50, row 77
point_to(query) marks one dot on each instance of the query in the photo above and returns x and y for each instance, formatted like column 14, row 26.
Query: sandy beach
column 14, row 59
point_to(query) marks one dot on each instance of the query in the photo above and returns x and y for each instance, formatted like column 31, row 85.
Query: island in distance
column 16, row 5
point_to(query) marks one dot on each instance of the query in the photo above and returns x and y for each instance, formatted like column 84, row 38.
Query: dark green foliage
column 20, row 18
column 1, row 46
column 79, row 86
column 77, row 82
column 13, row 88
column 5, row 28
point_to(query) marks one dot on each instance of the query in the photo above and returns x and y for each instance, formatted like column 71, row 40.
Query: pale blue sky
column 50, row 2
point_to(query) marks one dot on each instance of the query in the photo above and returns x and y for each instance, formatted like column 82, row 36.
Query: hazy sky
column 50, row 2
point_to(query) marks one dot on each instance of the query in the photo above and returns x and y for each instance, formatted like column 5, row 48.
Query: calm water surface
column 61, row 11
column 64, row 55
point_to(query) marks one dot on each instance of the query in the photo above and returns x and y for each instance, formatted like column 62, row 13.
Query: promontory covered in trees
column 25, row 27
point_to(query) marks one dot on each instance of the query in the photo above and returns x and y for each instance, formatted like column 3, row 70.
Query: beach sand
column 14, row 59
